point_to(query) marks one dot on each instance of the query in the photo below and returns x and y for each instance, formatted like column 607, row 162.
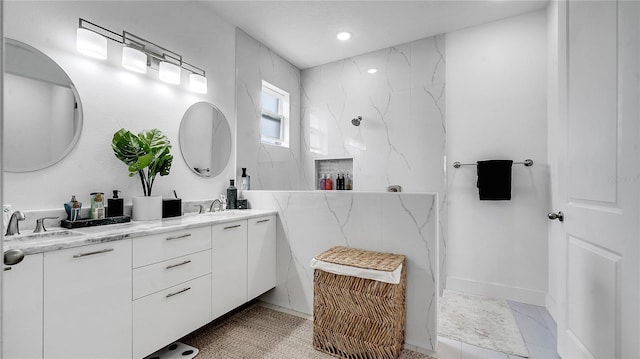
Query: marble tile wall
column 401, row 139
column 270, row 167
column 310, row 222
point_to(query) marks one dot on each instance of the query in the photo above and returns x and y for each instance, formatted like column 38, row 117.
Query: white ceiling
column 304, row 32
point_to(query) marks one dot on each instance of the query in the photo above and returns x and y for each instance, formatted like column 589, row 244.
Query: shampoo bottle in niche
column 115, row 205
column 246, row 180
column 232, row 195
column 328, row 184
column 323, row 182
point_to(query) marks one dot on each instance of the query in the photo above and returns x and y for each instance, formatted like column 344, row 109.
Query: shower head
column 356, row 121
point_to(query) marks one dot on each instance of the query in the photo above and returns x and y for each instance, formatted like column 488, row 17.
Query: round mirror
column 205, row 139
column 42, row 110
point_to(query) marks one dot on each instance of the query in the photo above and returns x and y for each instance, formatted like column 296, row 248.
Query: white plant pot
column 146, row 208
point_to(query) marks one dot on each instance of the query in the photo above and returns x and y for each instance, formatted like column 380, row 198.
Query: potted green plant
column 146, row 154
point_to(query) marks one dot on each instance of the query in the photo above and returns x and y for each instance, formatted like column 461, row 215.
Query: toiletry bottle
column 232, row 195
column 246, row 180
column 75, row 211
column 328, row 184
column 349, row 183
column 323, row 182
column 98, row 207
column 115, row 205
column 340, row 181
column 69, row 205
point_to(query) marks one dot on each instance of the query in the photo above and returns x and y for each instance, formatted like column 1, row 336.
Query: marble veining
column 116, row 232
column 310, row 222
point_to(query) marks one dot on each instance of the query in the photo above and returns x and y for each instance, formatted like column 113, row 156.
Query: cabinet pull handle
column 232, row 227
column 7, row 268
column 181, row 236
column 178, row 292
column 92, row 253
column 178, row 265
column 263, row 220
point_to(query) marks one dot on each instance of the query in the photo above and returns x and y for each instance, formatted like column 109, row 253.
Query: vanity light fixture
column 343, row 36
column 134, row 60
column 138, row 54
column 91, row 44
column 198, row 83
column 169, row 73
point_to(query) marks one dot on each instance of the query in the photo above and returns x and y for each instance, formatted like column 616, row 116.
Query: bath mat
column 262, row 333
column 176, row 350
column 480, row 321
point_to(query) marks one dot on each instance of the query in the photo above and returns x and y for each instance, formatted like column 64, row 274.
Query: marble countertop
column 51, row 241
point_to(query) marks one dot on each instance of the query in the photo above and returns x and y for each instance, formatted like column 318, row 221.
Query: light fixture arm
column 151, row 49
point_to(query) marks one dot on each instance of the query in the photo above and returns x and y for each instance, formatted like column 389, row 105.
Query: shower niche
column 334, row 168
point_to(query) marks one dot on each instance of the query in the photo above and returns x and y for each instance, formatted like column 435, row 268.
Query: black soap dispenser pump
column 115, row 205
column 232, row 195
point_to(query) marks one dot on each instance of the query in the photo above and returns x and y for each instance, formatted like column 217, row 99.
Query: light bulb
column 134, row 60
column 343, row 36
column 169, row 73
column 91, row 44
column 198, row 83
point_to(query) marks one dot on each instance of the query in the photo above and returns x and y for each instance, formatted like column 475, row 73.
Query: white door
column 598, row 180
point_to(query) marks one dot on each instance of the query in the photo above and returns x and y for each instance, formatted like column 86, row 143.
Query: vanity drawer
column 168, row 315
column 154, row 277
column 160, row 247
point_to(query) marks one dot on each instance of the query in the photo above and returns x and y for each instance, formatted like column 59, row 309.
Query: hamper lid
column 361, row 258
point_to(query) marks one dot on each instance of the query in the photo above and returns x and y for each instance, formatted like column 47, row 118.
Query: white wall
column 113, row 97
column 270, row 167
column 497, row 109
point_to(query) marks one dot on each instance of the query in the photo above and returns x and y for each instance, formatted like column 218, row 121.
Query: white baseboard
column 495, row 290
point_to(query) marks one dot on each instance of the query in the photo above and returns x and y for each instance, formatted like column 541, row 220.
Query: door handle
column 559, row 216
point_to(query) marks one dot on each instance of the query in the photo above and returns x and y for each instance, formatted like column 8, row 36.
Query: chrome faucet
column 213, row 206
column 13, row 227
column 40, row 224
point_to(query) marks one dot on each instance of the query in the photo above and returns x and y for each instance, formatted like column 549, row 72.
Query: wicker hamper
column 354, row 317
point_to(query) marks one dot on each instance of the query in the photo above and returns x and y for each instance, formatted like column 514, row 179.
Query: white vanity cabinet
column 261, row 255
column 22, row 308
column 229, row 267
column 87, row 301
column 171, row 287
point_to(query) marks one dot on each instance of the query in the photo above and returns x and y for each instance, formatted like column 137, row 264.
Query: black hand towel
column 494, row 180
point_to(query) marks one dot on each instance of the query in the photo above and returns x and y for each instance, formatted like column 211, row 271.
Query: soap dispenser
column 246, row 180
column 69, row 205
column 115, row 205
column 98, row 207
column 232, row 195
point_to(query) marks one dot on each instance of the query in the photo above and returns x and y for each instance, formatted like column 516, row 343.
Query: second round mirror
column 205, row 139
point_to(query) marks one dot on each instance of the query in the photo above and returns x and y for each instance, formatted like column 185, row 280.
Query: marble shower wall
column 402, row 136
column 310, row 222
column 270, row 167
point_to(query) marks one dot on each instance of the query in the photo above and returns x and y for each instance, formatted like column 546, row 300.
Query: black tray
column 94, row 222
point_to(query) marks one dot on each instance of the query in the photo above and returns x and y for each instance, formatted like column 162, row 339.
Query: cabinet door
column 229, row 267
column 87, row 302
column 22, row 309
column 168, row 315
column 261, row 255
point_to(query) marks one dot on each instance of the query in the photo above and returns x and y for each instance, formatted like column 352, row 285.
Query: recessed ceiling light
column 344, row 36
column 372, row 71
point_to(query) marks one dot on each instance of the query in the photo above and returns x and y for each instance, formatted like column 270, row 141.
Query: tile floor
column 537, row 327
